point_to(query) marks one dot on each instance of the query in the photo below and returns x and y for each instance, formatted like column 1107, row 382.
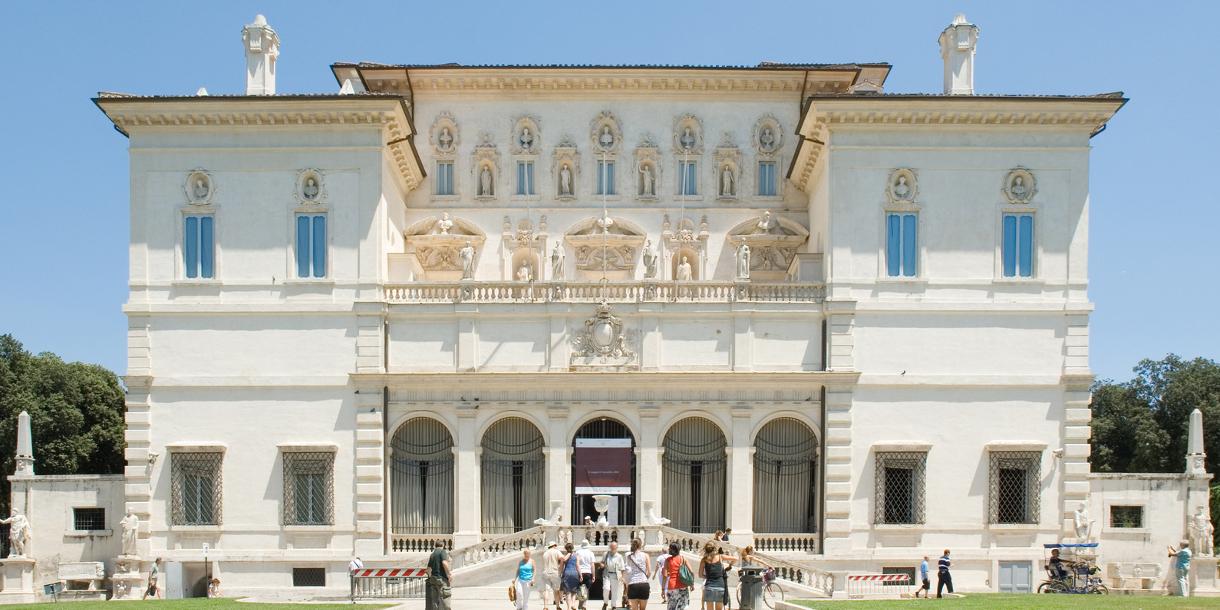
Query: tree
column 76, row 413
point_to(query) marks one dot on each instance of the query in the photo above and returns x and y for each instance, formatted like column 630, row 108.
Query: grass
column 1007, row 600
column 199, row 603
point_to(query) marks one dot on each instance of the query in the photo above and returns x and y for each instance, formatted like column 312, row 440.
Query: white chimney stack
column 262, row 48
column 957, row 45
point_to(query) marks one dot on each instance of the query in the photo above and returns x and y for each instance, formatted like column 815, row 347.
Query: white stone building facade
column 361, row 321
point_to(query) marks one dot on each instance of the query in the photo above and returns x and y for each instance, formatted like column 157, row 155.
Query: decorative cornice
column 600, row 81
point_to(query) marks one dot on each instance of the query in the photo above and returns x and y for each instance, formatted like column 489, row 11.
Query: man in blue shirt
column 943, row 577
column 1182, row 567
column 926, row 587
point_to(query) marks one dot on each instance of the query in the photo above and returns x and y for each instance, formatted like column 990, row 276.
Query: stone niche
column 773, row 242
column 434, row 244
column 605, row 244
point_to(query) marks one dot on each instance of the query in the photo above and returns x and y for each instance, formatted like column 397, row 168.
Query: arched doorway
column 513, row 474
column 693, row 477
column 421, row 478
column 603, row 462
column 785, row 478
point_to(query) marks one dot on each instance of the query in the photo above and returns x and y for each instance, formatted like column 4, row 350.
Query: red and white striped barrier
column 879, row 578
column 390, row 573
column 877, row 585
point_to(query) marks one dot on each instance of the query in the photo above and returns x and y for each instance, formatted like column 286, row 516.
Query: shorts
column 927, row 585
column 551, row 581
column 639, row 590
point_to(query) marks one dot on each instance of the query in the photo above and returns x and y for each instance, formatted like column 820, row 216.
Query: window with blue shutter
column 444, row 177
column 688, row 174
column 198, row 246
column 605, row 178
column 1017, row 246
column 901, row 244
column 766, row 179
column 525, row 177
column 311, row 245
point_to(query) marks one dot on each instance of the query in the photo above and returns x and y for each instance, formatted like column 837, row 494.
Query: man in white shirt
column 612, row 581
column 584, row 565
column 356, row 564
column 661, row 576
column 550, row 574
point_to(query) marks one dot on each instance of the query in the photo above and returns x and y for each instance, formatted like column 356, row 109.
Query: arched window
column 785, row 465
column 513, row 476
column 421, row 478
column 694, row 466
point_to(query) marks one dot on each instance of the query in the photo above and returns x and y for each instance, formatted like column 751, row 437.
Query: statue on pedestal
column 557, row 262
column 19, row 533
column 650, row 261
column 131, row 532
column 647, row 181
column 1082, row 524
column 485, row 186
column 743, row 262
column 565, row 181
column 1201, row 531
column 684, row 271
column 467, row 256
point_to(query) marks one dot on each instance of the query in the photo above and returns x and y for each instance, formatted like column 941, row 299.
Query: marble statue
column 310, row 190
column 19, row 533
column 743, row 262
column 1201, row 531
column 524, row 274
column 565, row 180
column 527, row 139
column 684, row 270
column 485, row 189
column 606, row 139
column 445, row 139
column 467, row 256
column 901, row 189
column 767, row 139
column 556, row 515
column 131, row 532
column 1018, row 189
column 688, row 139
column 444, row 224
column 726, row 182
column 766, row 224
column 650, row 261
column 1083, row 526
column 647, row 181
column 650, row 511
column 201, row 188
column 557, row 262
column 605, row 223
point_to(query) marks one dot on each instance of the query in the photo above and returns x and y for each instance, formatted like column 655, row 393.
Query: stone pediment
column 436, row 243
column 610, row 244
column 773, row 243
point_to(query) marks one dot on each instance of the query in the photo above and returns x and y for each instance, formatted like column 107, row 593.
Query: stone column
column 559, row 461
column 741, row 477
column 468, row 479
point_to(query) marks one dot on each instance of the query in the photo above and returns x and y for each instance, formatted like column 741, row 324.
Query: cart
column 1076, row 570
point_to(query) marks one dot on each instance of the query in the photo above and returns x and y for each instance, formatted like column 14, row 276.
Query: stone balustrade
column 614, row 292
column 418, row 543
column 786, row 543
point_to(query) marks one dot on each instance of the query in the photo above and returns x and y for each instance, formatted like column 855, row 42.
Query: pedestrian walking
column 638, row 573
column 440, row 579
column 662, row 580
column 612, row 578
column 677, row 583
column 1181, row 567
column 715, row 578
column 152, row 580
column 584, row 564
column 523, row 581
column 943, row 577
column 926, row 585
column 569, row 576
column 551, row 563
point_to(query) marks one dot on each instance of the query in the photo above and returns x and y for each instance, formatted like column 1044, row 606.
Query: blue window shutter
column 1008, row 247
column 303, row 251
column 319, row 246
column 529, row 179
column 910, row 245
column 1026, row 231
column 893, row 245
column 206, row 251
column 609, row 177
column 692, row 187
column 190, row 246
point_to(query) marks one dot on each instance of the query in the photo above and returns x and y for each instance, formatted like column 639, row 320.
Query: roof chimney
column 957, row 45
column 262, row 49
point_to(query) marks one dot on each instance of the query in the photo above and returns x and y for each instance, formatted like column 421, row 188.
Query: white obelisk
column 25, row 447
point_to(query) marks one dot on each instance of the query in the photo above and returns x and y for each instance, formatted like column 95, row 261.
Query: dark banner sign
column 602, row 466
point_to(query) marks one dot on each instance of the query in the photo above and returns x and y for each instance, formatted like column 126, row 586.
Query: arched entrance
column 513, row 475
column 693, row 477
column 785, row 477
column 603, row 462
column 421, row 478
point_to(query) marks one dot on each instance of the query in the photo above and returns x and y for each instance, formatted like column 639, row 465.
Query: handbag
column 512, row 592
column 685, row 578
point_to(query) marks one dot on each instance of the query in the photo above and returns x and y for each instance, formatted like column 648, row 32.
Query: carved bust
column 766, row 140
column 606, row 139
column 199, row 187
column 444, row 142
column 527, row 139
column 688, row 139
column 310, row 190
column 444, row 224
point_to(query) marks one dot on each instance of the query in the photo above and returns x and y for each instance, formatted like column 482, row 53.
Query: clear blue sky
column 1155, row 171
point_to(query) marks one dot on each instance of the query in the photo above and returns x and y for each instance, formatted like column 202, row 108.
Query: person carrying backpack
column 678, row 579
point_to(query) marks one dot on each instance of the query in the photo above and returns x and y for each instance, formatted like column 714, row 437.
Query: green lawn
column 198, row 604
column 1003, row 600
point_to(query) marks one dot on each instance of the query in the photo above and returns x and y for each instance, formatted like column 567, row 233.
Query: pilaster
column 840, row 340
column 741, row 476
column 467, row 501
column 649, row 461
column 836, row 517
column 1076, row 449
column 371, row 539
column 558, row 460
column 370, row 338
column 140, row 461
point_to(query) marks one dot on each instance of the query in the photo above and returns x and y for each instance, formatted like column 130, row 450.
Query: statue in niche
column 767, row 224
column 1201, row 531
column 1081, row 523
column 131, row 532
column 688, row 139
column 902, row 190
column 467, row 256
column 766, row 140
column 485, row 186
column 310, row 190
column 444, row 224
column 523, row 273
column 1018, row 188
column 650, row 261
column 565, row 180
column 647, row 181
column 527, row 139
column 684, row 271
column 726, row 182
column 743, row 262
column 201, row 188
column 19, row 533
column 606, row 139
column 445, row 140
column 557, row 262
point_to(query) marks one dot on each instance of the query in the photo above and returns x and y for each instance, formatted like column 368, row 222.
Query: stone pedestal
column 18, row 581
column 129, row 578
column 1203, row 570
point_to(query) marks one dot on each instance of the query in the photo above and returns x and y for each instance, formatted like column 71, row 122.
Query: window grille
column 88, row 519
column 1015, row 479
column 196, row 488
column 1126, row 516
column 899, row 483
column 309, row 577
column 309, row 487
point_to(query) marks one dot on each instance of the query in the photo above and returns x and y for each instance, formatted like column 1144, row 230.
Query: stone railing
column 613, row 292
column 805, row 576
column 786, row 543
column 418, row 543
column 532, row 538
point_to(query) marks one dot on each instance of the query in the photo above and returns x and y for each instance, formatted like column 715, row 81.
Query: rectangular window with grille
column 900, row 487
column 309, row 577
column 309, row 488
column 1015, row 482
column 196, row 487
column 88, row 519
column 1126, row 516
